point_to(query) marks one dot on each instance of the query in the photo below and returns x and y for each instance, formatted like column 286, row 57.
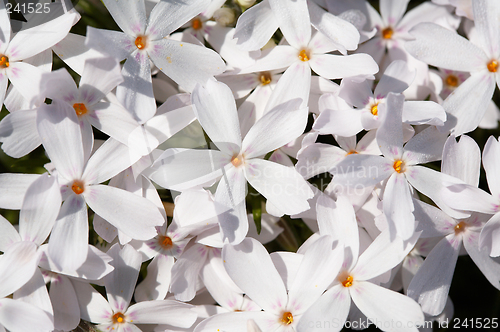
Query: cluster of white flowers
column 238, row 140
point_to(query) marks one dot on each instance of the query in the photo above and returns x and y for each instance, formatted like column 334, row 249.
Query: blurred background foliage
column 472, row 295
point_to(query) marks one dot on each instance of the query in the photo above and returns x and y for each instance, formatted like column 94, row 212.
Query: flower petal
column 293, row 20
column 163, row 312
column 187, row 64
column 17, row 266
column 130, row 15
column 134, row 215
column 255, row 27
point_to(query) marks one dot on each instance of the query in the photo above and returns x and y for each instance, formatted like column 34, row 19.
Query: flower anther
column 265, row 78
column 347, row 282
column 492, row 66
column 165, row 242
column 460, row 227
column 399, row 166
column 387, row 33
column 352, row 152
column 4, row 61
column 196, row 24
column 374, row 109
column 118, row 318
column 287, row 318
column 237, row 160
column 304, row 55
column 80, row 109
column 140, row 42
column 451, row 80
column 78, row 187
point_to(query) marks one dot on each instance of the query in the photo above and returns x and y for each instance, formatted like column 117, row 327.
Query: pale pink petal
column 390, row 133
column 165, row 125
column 35, row 292
column 341, row 66
column 337, row 218
column 93, row 306
column 384, row 305
column 14, row 188
column 398, row 206
column 423, row 112
column 19, row 134
column 187, row 64
column 255, row 27
column 65, row 304
column 361, row 171
column 392, row 10
column 431, row 284
column 40, row 209
column 425, row 147
column 68, row 243
column 4, row 27
column 278, row 57
column 277, row 127
column 491, row 162
column 185, row 272
column 431, row 183
column 136, row 91
column 434, row 43
column 157, row 282
column 33, row 319
column 318, row 158
column 383, row 254
column 252, row 109
column 215, row 108
column 334, row 304
column 114, row 43
column 338, row 122
column 8, row 234
column 248, row 264
column 283, row 186
column 397, row 78
column 461, row 196
column 60, row 85
column 231, row 193
column 489, row 267
column 294, row 83
column 60, row 133
column 121, row 282
column 319, row 266
column 237, row 321
column 17, row 266
column 488, row 239
column 432, row 221
column 344, row 35
column 130, row 15
column 134, row 215
column 40, row 37
column 26, row 78
column 162, row 312
column 73, row 51
column 178, row 14
column 463, row 159
column 486, row 22
column 293, row 20
column 99, row 77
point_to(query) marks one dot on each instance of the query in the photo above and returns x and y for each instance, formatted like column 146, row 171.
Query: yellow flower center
column 196, row 24
column 303, row 56
column 4, row 61
column 118, row 318
column 451, row 80
column 460, row 227
column 77, row 187
column 387, row 33
column 265, row 78
column 347, row 282
column 352, row 152
column 237, row 160
column 399, row 166
column 80, row 109
column 374, row 109
column 492, row 66
column 165, row 242
column 287, row 318
column 140, row 42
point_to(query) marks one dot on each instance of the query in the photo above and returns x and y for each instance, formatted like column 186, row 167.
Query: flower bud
column 224, row 16
column 245, row 3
